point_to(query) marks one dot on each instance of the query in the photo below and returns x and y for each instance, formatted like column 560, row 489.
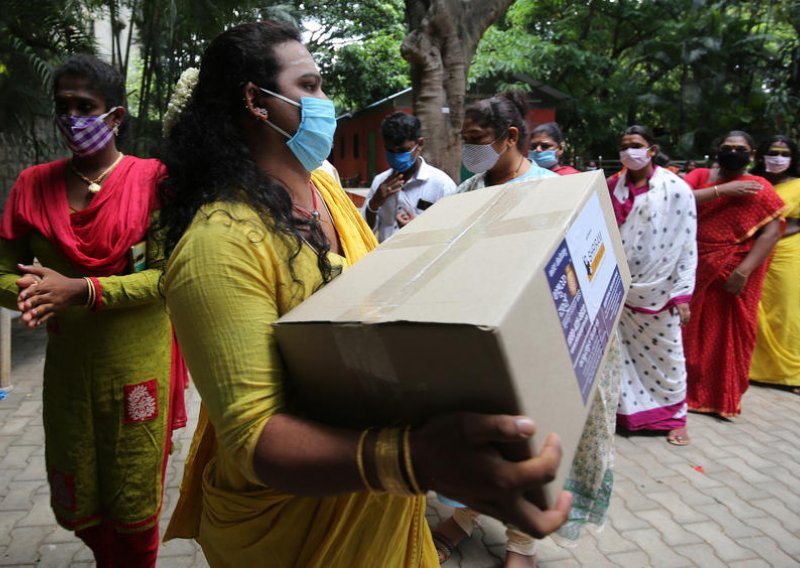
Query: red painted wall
column 361, row 165
column 537, row 116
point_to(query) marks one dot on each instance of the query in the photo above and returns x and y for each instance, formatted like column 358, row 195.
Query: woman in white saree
column 657, row 219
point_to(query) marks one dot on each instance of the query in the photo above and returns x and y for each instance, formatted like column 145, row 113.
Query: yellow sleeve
column 12, row 252
column 140, row 287
column 221, row 295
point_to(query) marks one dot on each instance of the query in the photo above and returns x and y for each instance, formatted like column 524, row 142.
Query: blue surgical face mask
column 401, row 161
column 313, row 140
column 545, row 158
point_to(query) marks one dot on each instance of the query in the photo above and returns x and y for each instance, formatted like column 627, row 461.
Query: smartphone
column 138, row 257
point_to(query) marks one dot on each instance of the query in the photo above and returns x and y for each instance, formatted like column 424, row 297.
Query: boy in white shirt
column 411, row 185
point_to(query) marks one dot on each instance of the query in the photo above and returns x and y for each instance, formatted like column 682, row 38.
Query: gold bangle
column 387, row 462
column 407, row 461
column 716, row 191
column 360, row 460
column 90, row 293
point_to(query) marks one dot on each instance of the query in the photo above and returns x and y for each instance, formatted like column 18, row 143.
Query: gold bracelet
column 387, row 462
column 90, row 293
column 407, row 461
column 360, row 460
column 716, row 191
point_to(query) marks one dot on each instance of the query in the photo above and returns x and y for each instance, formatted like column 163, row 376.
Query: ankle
column 517, row 560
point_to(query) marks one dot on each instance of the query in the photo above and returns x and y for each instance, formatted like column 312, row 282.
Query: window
column 355, row 146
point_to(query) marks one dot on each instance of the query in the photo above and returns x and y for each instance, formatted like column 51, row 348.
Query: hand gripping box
column 501, row 300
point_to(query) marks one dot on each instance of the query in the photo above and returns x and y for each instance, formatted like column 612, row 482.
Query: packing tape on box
column 444, row 246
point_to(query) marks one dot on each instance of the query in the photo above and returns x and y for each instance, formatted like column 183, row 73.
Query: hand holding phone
column 389, row 187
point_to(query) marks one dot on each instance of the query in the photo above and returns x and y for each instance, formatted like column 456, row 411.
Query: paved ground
column 741, row 510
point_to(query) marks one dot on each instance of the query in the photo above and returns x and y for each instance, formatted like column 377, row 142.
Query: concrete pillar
column 5, row 348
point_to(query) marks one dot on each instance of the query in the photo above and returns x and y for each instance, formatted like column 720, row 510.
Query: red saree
column 721, row 334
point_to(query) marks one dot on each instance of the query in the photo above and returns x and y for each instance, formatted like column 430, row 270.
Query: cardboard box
column 500, row 300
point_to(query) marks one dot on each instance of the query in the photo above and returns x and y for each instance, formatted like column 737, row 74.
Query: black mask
column 733, row 160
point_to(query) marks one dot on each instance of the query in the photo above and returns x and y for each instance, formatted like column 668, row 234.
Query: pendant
column 94, row 187
column 315, row 216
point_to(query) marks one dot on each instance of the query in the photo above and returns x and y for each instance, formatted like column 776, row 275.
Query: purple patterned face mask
column 85, row 135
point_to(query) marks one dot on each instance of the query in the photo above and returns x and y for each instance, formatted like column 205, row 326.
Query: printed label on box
column 587, row 291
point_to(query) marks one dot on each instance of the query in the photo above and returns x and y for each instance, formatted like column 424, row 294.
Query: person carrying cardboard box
column 251, row 233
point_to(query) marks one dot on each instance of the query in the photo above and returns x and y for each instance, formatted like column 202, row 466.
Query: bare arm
column 222, row 296
column 387, row 188
column 729, row 188
column 765, row 242
column 792, row 227
column 455, row 453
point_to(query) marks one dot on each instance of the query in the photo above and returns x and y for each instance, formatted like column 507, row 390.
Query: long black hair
column 501, row 112
column 794, row 166
column 206, row 155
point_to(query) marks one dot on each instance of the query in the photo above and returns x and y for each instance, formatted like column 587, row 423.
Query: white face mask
column 635, row 159
column 479, row 158
column 777, row 164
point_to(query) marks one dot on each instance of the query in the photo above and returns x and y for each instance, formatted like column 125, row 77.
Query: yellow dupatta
column 790, row 193
column 356, row 240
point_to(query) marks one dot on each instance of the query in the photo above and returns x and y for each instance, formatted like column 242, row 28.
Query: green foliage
column 374, row 65
column 357, row 46
column 33, row 37
column 356, row 43
column 173, row 34
column 689, row 69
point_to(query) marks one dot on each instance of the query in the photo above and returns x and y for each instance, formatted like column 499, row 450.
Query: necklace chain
column 94, row 184
column 310, row 214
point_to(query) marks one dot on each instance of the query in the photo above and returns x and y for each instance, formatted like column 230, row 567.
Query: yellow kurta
column 227, row 281
column 776, row 358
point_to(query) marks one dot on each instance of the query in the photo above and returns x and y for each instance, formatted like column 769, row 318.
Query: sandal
column 678, row 437
column 444, row 548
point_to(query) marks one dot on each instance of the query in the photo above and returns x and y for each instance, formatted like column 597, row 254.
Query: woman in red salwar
column 113, row 378
column 738, row 225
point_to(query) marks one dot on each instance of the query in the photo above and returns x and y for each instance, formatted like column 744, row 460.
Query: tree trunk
column 442, row 39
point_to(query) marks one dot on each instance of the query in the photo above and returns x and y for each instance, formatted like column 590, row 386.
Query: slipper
column 444, row 548
column 678, row 437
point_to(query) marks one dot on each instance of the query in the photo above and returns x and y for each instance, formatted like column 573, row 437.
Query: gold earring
column 116, row 130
